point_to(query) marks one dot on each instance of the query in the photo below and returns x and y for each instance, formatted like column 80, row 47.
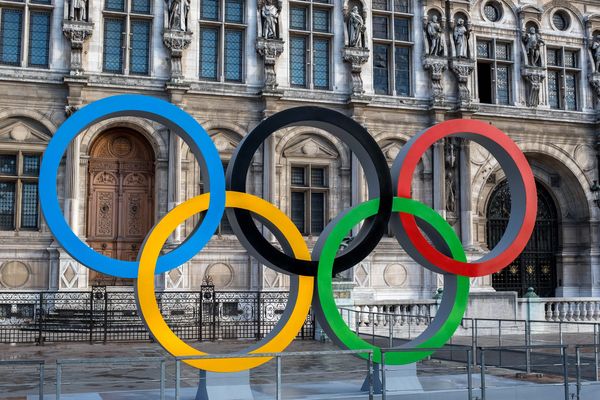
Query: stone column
column 71, row 202
column 466, row 213
column 439, row 178
column 174, row 180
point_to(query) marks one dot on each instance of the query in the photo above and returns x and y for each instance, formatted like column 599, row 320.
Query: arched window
column 536, row 266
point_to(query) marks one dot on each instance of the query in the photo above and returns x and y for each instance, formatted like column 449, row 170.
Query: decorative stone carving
column 595, row 83
column 177, row 15
column 77, row 10
column 355, row 27
column 461, row 35
column 436, row 67
column 451, row 168
column 463, row 68
column 77, row 32
column 533, row 43
column 270, row 50
column 268, row 19
column 534, row 77
column 176, row 41
column 356, row 57
column 595, row 48
column 434, row 32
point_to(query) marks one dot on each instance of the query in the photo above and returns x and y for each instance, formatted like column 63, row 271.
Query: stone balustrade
column 379, row 315
column 569, row 309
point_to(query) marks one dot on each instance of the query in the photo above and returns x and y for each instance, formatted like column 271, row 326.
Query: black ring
column 362, row 145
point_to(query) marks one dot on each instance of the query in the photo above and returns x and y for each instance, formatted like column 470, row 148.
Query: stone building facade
column 529, row 67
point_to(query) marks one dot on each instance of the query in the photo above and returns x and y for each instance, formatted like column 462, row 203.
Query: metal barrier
column 39, row 363
column 111, row 361
column 278, row 372
column 579, row 364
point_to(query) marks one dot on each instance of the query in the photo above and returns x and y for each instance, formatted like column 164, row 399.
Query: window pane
column 29, row 206
column 31, row 165
column 503, row 51
column 209, row 42
column 402, row 29
column 553, row 89
column 554, row 57
column 298, row 176
column 298, row 18
column 317, row 213
column 39, row 37
column 234, row 53
column 571, row 91
column 380, row 68
column 8, row 164
column 503, row 84
column 298, row 61
column 210, row 9
column 234, row 11
column 113, row 45
column 402, row 6
column 140, row 46
column 321, row 20
column 483, row 49
column 402, row 71
column 321, row 63
column 570, row 59
column 380, row 27
column 115, row 5
column 7, row 205
column 317, row 177
column 298, row 210
column 10, row 36
column 140, row 6
column 380, row 4
column 226, row 228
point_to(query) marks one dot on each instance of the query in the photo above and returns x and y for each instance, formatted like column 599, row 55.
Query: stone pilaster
column 176, row 41
column 462, row 69
column 436, row 67
column 534, row 78
column 356, row 57
column 270, row 50
column 77, row 32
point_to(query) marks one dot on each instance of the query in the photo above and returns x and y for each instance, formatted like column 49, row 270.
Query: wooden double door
column 120, row 203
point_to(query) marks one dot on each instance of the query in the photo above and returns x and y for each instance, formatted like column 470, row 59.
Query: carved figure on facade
column 355, row 27
column 461, row 34
column 77, row 10
column 451, row 157
column 596, row 52
column 268, row 18
column 533, row 42
column 434, row 33
column 178, row 14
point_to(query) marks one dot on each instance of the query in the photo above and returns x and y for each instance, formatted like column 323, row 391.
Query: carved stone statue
column 270, row 19
column 178, row 14
column 78, row 10
column 451, row 175
column 533, row 43
column 461, row 38
column 434, row 37
column 355, row 26
column 596, row 52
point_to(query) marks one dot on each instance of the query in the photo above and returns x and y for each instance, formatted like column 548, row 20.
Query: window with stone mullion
column 19, row 205
column 25, row 33
column 310, row 44
column 563, row 78
column 309, row 189
column 127, row 37
column 222, row 40
column 392, row 47
column 494, row 59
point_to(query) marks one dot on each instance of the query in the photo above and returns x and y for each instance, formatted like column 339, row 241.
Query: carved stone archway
column 120, row 202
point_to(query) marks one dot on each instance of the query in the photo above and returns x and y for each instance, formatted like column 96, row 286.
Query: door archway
column 120, row 201
column 536, row 266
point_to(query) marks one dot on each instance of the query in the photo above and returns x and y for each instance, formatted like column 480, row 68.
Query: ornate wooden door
column 120, row 197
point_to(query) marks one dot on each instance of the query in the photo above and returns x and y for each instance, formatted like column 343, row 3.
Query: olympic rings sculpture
column 421, row 231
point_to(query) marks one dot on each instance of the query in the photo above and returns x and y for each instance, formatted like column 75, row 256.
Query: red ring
column 418, row 148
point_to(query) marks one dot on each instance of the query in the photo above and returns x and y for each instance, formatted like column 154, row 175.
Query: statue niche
column 355, row 28
column 77, row 10
column 177, row 15
column 268, row 18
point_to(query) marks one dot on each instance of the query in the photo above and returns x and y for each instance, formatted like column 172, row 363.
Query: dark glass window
column 8, row 164
column 140, row 46
column 298, row 60
column 298, row 18
column 380, row 27
column 317, row 177
column 18, row 184
column 554, row 57
column 494, row 71
column 321, row 63
column 309, row 202
column 114, row 5
column 402, row 6
column 321, row 20
column 31, row 165
column 402, row 71
column 503, row 84
column 553, row 89
column 209, row 42
column 571, row 91
column 39, row 38
column 492, row 12
column 317, row 213
column 29, row 206
column 298, row 176
column 7, row 205
column 402, row 29
column 563, row 78
column 380, row 4
column 11, row 26
column 380, row 68
column 140, row 6
column 209, row 9
column 234, row 54
column 483, row 49
column 234, row 11
column 561, row 20
column 113, row 45
column 298, row 210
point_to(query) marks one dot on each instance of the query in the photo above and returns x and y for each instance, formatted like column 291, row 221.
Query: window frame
column 19, row 178
column 310, row 35
column 307, row 190
column 127, row 16
column 27, row 7
column 563, row 71
column 494, row 61
column 223, row 26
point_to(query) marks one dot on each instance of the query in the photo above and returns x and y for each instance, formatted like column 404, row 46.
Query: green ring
column 450, row 312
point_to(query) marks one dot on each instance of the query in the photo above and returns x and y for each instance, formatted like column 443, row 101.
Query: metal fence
column 101, row 315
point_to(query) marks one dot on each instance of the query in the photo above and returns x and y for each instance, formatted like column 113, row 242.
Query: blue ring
column 140, row 106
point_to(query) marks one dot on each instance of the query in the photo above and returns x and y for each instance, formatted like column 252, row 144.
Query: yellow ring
column 147, row 299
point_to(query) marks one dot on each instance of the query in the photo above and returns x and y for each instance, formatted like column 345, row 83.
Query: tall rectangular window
column 11, row 26
column 309, row 195
column 19, row 204
column 222, row 40
column 127, row 37
column 392, row 47
column 494, row 71
column 310, row 44
column 39, row 38
column 563, row 78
